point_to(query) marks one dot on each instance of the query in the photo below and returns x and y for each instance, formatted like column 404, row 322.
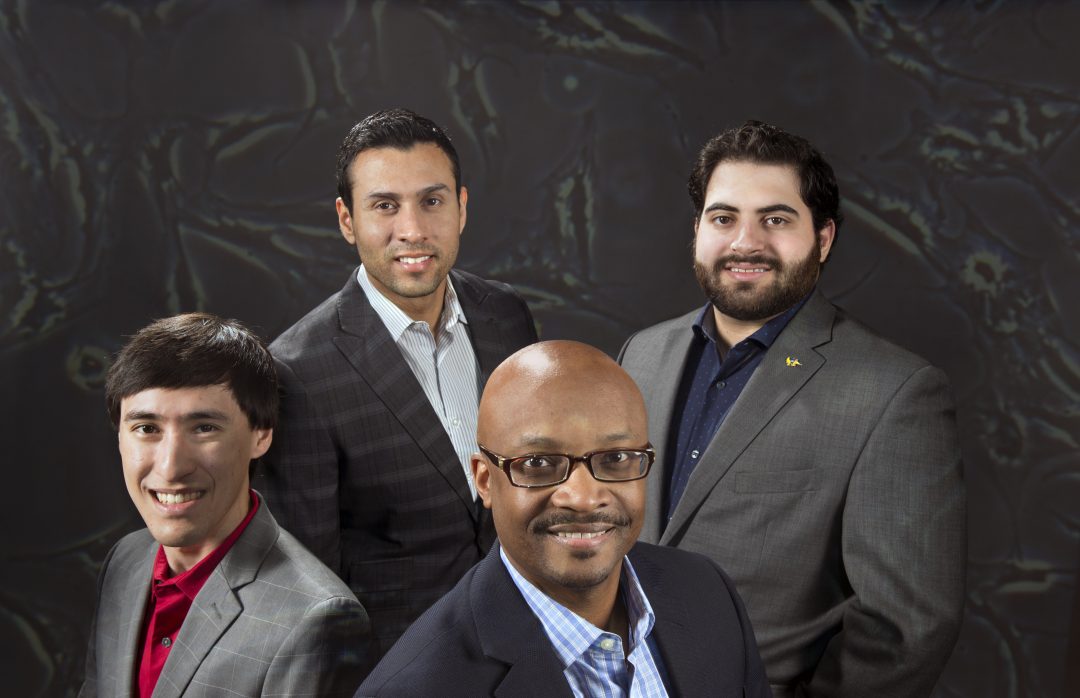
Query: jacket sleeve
column 328, row 653
column 89, row 687
column 299, row 475
column 903, row 546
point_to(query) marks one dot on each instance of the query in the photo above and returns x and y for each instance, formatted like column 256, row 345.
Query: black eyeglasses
column 547, row 469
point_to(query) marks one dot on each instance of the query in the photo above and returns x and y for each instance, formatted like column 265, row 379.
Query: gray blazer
column 270, row 621
column 833, row 496
column 361, row 469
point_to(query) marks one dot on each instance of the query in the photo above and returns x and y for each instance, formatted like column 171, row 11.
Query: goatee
column 744, row 300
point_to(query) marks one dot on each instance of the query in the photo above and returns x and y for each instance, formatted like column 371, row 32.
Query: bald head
column 552, row 378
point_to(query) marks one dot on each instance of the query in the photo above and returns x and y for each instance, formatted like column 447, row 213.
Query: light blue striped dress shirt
column 594, row 663
column 444, row 363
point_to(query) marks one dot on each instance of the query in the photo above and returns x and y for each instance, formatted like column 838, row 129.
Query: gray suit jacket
column 361, row 469
column 270, row 621
column 833, row 496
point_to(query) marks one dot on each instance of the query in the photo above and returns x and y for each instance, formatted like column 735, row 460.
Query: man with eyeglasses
column 569, row 603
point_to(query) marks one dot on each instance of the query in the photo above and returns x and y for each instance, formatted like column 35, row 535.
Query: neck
column 182, row 559
column 732, row 331
column 424, row 308
column 601, row 604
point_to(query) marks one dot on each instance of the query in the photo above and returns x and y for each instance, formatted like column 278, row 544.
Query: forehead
column 393, row 169
column 567, row 414
column 752, row 183
column 176, row 403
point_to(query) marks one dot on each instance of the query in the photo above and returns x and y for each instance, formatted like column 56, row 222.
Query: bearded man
column 814, row 461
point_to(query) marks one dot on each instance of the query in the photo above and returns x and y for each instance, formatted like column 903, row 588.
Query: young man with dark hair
column 212, row 596
column 370, row 467
column 815, row 461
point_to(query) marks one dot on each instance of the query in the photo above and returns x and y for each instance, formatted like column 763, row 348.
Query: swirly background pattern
column 173, row 155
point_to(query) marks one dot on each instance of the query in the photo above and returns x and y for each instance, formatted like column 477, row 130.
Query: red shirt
column 170, row 601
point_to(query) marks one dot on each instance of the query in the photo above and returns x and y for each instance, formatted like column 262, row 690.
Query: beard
column 744, row 300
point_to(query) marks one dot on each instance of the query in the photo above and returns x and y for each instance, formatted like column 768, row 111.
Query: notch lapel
column 665, row 364
column 137, row 590
column 216, row 606
column 773, row 384
column 488, row 339
column 510, row 633
column 369, row 348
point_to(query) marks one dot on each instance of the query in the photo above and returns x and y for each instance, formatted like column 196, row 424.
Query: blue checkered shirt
column 593, row 660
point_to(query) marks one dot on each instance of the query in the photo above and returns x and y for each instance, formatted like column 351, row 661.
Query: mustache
column 556, row 518
column 772, row 262
column 418, row 250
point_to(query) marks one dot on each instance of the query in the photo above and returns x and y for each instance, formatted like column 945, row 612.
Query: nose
column 171, row 458
column 748, row 238
column 408, row 224
column 581, row 491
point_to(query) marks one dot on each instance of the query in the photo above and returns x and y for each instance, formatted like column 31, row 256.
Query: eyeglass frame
column 503, row 463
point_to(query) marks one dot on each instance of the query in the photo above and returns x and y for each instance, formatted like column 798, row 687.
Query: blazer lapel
column 368, row 346
column 216, row 606
column 488, row 339
column 137, row 590
column 773, row 384
column 510, row 633
column 687, row 662
column 660, row 392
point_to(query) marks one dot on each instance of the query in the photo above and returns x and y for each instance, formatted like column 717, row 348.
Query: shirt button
column 607, row 643
column 456, row 422
column 695, row 453
column 165, row 642
column 721, row 384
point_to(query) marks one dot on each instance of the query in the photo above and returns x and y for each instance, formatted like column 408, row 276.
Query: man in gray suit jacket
column 212, row 597
column 370, row 466
column 815, row 461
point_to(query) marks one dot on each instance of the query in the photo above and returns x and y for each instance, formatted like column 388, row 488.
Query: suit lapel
column 510, row 633
column 773, row 384
column 368, row 346
column 137, row 589
column 660, row 393
column 216, row 606
column 687, row 662
column 488, row 339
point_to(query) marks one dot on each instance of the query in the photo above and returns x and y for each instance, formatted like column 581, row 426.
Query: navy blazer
column 362, row 471
column 482, row 639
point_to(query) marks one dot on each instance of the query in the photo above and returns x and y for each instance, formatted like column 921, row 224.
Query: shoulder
column 131, row 553
column 474, row 289
column 644, row 343
column 439, row 651
column 312, row 330
column 858, row 349
column 291, row 563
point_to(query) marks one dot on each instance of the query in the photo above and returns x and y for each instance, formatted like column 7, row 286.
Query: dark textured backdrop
column 172, row 156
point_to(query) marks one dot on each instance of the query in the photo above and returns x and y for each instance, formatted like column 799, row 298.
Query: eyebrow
column 395, row 196
column 546, row 443
column 719, row 206
column 140, row 415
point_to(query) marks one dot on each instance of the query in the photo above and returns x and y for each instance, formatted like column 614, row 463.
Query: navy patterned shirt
column 711, row 384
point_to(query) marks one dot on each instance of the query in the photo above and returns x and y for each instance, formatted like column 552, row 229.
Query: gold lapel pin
column 792, row 362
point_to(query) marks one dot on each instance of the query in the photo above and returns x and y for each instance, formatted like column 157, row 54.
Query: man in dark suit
column 370, row 466
column 212, row 597
column 815, row 461
column 568, row 603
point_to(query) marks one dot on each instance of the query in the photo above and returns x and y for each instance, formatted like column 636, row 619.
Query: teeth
column 168, row 498
column 597, row 534
column 414, row 260
column 746, row 271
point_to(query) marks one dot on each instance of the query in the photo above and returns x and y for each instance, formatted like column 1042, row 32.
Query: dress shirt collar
column 395, row 319
column 570, row 634
column 704, row 326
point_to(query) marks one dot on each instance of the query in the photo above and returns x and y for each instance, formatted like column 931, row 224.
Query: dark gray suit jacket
column 270, row 620
column 361, row 469
column 833, row 496
column 482, row 639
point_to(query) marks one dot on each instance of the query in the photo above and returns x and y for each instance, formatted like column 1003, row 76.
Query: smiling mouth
column 581, row 535
column 178, row 497
column 407, row 261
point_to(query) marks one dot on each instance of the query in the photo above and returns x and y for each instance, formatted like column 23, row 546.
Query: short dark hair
column 756, row 141
column 393, row 128
column 195, row 350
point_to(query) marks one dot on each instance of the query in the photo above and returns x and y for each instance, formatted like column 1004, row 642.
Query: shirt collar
column 395, row 319
column 704, row 326
column 191, row 581
column 570, row 634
